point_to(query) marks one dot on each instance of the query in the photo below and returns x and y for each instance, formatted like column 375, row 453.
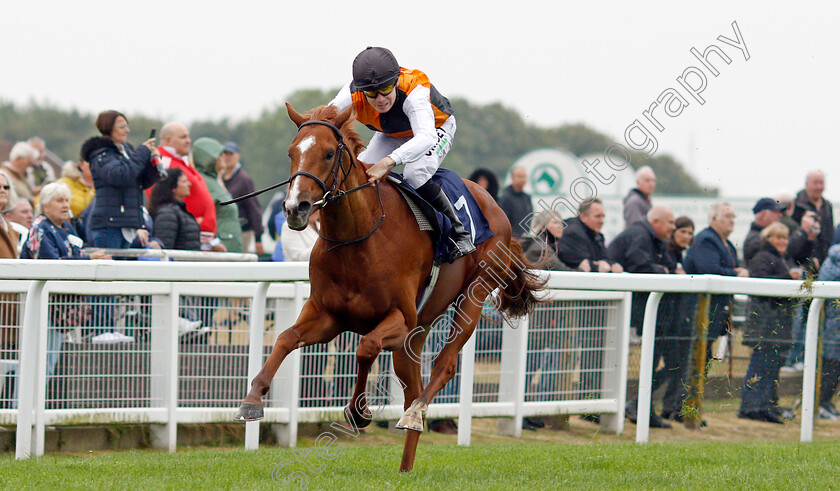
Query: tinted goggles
column 381, row 90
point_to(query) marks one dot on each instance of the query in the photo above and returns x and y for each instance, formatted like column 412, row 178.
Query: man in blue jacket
column 712, row 253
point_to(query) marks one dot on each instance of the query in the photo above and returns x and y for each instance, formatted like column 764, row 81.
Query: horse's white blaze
column 294, row 191
column 292, row 197
column 304, row 145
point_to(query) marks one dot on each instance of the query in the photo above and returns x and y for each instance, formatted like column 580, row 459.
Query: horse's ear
column 343, row 117
column 296, row 118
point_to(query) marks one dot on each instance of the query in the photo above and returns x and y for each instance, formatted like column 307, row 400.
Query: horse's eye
column 289, row 154
column 330, row 155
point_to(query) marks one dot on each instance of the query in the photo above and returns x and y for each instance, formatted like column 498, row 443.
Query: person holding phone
column 120, row 174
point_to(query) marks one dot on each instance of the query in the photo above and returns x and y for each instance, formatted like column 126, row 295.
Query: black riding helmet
column 375, row 68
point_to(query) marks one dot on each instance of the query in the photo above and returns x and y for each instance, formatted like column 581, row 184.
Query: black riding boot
column 432, row 193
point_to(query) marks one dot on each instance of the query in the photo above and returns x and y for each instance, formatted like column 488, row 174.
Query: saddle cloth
column 431, row 220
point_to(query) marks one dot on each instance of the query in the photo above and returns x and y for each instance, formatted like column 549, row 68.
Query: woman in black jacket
column 120, row 174
column 541, row 246
column 767, row 329
column 174, row 225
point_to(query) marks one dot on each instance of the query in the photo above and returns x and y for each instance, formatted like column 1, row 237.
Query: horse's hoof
column 249, row 412
column 355, row 419
column 413, row 417
column 401, row 426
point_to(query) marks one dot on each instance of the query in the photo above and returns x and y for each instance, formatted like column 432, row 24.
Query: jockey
column 413, row 125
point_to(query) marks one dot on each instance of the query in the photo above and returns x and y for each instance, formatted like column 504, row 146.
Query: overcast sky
column 765, row 122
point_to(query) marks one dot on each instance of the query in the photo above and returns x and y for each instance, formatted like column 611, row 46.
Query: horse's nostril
column 304, row 207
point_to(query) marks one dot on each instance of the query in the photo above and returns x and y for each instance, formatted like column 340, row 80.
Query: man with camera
column 808, row 248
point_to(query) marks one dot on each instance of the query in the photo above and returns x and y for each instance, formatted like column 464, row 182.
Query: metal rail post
column 646, row 367
column 256, row 329
column 809, row 376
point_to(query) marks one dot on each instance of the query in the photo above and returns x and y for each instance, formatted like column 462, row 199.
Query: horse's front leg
column 312, row 327
column 390, row 335
column 407, row 368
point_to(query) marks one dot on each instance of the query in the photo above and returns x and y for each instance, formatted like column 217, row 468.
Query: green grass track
column 493, row 466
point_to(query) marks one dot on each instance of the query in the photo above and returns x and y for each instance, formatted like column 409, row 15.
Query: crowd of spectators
column 109, row 189
column 168, row 195
column 791, row 237
column 116, row 196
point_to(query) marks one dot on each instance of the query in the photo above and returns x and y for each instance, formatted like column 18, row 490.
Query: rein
column 332, row 193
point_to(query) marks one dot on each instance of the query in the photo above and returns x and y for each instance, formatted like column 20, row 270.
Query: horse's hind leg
column 390, row 335
column 312, row 327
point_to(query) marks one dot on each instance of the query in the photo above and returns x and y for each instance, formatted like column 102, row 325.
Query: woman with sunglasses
column 413, row 125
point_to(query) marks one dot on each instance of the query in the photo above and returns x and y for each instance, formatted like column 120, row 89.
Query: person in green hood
column 206, row 152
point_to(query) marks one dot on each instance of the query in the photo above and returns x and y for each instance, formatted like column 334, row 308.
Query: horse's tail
column 518, row 292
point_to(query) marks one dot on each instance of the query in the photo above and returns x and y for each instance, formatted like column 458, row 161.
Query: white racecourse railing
column 587, row 316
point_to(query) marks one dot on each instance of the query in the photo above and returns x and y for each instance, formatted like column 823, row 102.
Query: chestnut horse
column 369, row 270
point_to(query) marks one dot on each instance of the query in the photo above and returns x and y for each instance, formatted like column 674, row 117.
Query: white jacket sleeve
column 297, row 245
column 418, row 108
column 343, row 99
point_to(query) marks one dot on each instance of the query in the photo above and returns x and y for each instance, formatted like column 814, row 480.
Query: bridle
column 331, row 193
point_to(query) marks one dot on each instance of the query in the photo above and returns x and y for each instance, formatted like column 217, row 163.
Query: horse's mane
column 330, row 113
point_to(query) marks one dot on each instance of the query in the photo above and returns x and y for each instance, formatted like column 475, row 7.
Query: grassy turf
column 493, row 466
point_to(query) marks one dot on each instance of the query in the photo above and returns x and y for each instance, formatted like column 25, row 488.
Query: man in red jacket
column 175, row 153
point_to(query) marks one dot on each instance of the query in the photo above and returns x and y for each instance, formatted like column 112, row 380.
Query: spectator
column 120, row 174
column 276, row 207
column 811, row 199
column 174, row 225
column 8, row 236
column 803, row 250
column 712, row 253
column 78, row 178
column 9, row 239
column 41, row 172
column 546, row 231
column 279, row 220
column 546, row 352
column 786, row 198
column 174, row 151
column 637, row 202
column 767, row 329
column 675, row 328
column 766, row 211
column 21, row 157
column 52, row 236
column 487, row 179
column 298, row 244
column 830, row 379
column 20, row 217
column 207, row 157
column 802, row 247
column 276, row 219
column 239, row 183
column 641, row 249
column 516, row 203
column 583, row 239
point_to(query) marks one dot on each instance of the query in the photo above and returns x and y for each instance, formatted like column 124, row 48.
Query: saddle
column 429, row 219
